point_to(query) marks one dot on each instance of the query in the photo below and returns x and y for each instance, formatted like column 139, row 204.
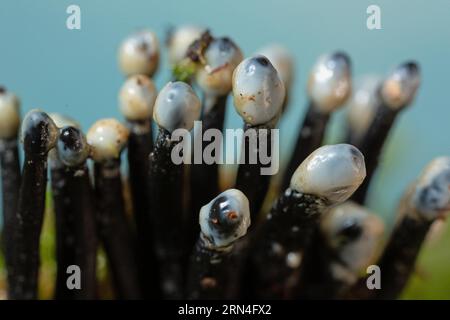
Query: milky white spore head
column 225, row 219
column 400, row 86
column 221, row 58
column 353, row 233
column 330, row 82
column 258, row 91
column 137, row 97
column 332, row 172
column 139, row 54
column 180, row 39
column 431, row 193
column 107, row 138
column 9, row 114
column 176, row 107
column 363, row 104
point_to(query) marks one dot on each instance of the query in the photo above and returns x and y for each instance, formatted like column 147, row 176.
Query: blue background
column 75, row 72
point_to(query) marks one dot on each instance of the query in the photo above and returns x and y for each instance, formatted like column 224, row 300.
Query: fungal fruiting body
column 362, row 107
column 10, row 166
column 345, row 243
column 214, row 78
column 107, row 138
column 329, row 86
column 326, row 177
column 176, row 107
column 136, row 100
column 223, row 221
column 396, row 93
column 258, row 94
column 180, row 39
column 139, row 54
column 426, row 201
column 38, row 135
column 76, row 239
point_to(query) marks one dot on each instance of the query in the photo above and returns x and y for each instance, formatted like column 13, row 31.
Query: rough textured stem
column 316, row 278
column 209, row 273
column 288, row 229
column 76, row 239
column 11, row 176
column 371, row 145
column 140, row 144
column 249, row 179
column 165, row 187
column 114, row 230
column 25, row 260
column 399, row 256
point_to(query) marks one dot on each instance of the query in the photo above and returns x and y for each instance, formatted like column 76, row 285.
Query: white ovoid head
column 283, row 61
column 9, row 114
column 332, row 172
column 363, row 104
column 63, row 121
column 107, row 138
column 400, row 87
column 139, row 54
column 72, row 147
column 137, row 97
column 258, row 91
column 221, row 58
column 180, row 39
column 38, row 133
column 353, row 233
column 330, row 82
column 431, row 193
column 225, row 219
column 176, row 107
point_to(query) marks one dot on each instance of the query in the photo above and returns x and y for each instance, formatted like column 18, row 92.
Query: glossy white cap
column 139, row 53
column 221, row 58
column 330, row 83
column 176, row 107
column 9, row 114
column 225, row 219
column 353, row 233
column 431, row 193
column 107, row 138
column 137, row 97
column 400, row 87
column 180, row 39
column 332, row 172
column 258, row 91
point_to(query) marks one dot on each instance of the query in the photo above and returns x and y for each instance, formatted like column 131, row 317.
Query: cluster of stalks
column 185, row 236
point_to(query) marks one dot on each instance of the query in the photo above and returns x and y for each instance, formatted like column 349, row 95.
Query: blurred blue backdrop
column 75, row 72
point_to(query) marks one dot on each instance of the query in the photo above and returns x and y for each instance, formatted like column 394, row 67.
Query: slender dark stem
column 249, row 178
column 209, row 273
column 11, row 176
column 399, row 256
column 26, row 231
column 76, row 239
column 114, row 229
column 140, row 144
column 309, row 139
column 288, row 230
column 371, row 145
column 204, row 182
column 166, row 187
column 316, row 279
